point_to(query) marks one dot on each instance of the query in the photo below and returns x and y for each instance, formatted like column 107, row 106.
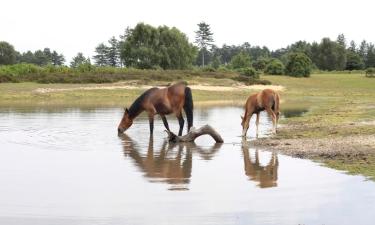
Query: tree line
column 148, row 47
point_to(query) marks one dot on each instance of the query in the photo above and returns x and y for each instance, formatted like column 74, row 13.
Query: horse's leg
column 257, row 124
column 181, row 122
column 151, row 120
column 165, row 122
column 273, row 116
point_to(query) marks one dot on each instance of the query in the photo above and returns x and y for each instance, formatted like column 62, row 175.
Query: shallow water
column 70, row 167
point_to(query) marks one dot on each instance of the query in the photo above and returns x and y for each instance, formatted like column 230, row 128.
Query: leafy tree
column 352, row 46
column 332, row 55
column 215, row 62
column 203, row 38
column 298, row 65
column 7, row 53
column 260, row 64
column 101, row 55
column 40, row 58
column 147, row 47
column 354, row 61
column 275, row 67
column 370, row 55
column 241, row 60
column 79, row 60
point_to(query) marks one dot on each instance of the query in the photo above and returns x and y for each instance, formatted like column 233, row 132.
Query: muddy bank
column 345, row 146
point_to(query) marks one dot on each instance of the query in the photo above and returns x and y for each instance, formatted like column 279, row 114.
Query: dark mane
column 136, row 107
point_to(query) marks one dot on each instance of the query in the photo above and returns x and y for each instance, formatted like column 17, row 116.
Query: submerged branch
column 195, row 133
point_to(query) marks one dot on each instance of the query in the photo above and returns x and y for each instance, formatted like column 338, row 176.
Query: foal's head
column 125, row 123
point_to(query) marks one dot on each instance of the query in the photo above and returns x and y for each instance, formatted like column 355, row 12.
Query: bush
column 298, row 65
column 249, row 72
column 260, row 64
column 274, row 67
column 370, row 72
column 241, row 60
column 251, row 81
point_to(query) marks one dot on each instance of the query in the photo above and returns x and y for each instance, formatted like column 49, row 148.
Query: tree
column 203, row 38
column 147, row 47
column 352, row 46
column 101, row 55
column 298, row 65
column 79, row 60
column 57, row 59
column 370, row 55
column 260, row 64
column 113, row 52
column 275, row 67
column 241, row 60
column 341, row 40
column 7, row 53
column 40, row 58
column 332, row 55
column 353, row 61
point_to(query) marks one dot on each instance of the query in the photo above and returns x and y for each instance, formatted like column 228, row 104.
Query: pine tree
column 203, row 38
column 101, row 55
column 113, row 52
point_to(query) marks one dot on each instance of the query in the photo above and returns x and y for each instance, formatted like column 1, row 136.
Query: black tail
column 188, row 107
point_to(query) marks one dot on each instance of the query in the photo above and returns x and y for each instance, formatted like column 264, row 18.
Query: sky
column 72, row 26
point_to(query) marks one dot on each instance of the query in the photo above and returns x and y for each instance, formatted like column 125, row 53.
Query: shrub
column 251, row 81
column 241, row 60
column 275, row 67
column 260, row 64
column 370, row 72
column 298, row 65
column 249, row 72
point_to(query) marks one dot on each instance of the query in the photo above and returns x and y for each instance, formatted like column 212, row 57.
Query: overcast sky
column 71, row 26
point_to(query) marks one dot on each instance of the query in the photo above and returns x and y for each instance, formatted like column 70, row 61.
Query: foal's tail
column 188, row 107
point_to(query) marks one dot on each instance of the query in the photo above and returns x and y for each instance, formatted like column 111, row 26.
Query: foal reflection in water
column 172, row 164
column 163, row 101
column 265, row 175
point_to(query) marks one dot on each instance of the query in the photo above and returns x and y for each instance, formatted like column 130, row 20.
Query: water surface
column 68, row 166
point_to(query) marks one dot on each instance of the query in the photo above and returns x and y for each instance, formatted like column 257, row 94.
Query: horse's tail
column 188, row 107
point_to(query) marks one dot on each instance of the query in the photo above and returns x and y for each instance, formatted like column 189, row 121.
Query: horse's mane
column 136, row 107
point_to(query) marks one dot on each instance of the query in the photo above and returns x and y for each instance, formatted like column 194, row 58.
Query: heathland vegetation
column 145, row 52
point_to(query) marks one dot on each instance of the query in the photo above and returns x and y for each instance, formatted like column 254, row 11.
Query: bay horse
column 161, row 101
column 267, row 100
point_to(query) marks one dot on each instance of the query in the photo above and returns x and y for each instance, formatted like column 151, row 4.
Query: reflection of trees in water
column 172, row 163
column 265, row 175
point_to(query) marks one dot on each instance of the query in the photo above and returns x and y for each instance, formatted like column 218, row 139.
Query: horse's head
column 125, row 123
column 245, row 125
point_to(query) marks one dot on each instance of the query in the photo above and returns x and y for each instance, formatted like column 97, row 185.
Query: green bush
column 250, row 72
column 260, row 64
column 274, row 67
column 241, row 60
column 298, row 65
column 370, row 72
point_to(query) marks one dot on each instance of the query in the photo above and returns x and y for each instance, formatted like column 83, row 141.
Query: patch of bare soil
column 135, row 86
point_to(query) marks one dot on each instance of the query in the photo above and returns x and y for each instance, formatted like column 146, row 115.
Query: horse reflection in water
column 265, row 175
column 172, row 164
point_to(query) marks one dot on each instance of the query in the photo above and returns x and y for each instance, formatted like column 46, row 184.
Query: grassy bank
column 336, row 127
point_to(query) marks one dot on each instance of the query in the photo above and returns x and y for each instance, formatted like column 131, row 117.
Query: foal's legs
column 257, row 123
column 181, row 122
column 165, row 122
column 273, row 116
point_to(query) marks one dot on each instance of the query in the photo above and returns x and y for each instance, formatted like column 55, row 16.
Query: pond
column 69, row 166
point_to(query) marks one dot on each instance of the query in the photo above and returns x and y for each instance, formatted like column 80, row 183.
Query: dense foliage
column 298, row 65
column 7, row 53
column 147, row 47
column 274, row 67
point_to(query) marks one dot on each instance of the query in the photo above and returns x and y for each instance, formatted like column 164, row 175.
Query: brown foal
column 267, row 100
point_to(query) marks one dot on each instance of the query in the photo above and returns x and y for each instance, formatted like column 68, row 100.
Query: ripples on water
column 70, row 167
